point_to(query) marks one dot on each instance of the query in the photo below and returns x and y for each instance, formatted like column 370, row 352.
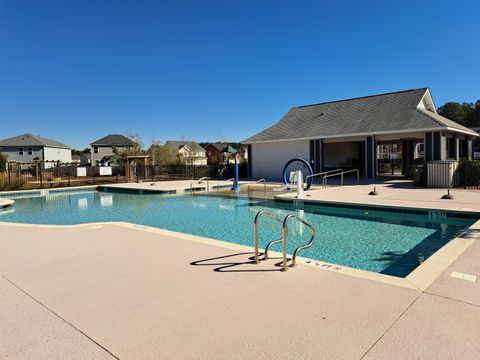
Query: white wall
column 268, row 159
column 56, row 154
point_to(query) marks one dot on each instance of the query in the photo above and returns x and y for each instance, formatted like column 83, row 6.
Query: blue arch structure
column 303, row 161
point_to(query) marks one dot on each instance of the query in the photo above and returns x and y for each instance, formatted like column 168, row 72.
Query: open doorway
column 398, row 157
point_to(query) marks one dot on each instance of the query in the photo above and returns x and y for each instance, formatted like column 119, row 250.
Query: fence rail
column 451, row 173
column 33, row 176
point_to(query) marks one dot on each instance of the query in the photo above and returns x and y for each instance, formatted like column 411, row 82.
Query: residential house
column 28, row 148
column 187, row 152
column 215, row 152
column 76, row 159
column 103, row 149
column 219, row 153
column 346, row 134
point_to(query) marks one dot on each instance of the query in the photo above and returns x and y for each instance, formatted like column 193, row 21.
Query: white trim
column 359, row 134
column 462, row 131
column 367, row 134
column 427, row 92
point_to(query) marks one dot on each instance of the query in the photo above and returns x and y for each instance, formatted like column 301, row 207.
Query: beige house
column 188, row 152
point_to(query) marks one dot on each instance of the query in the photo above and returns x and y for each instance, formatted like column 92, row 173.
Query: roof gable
column 190, row 145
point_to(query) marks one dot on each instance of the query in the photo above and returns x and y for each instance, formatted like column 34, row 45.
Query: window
column 95, row 149
column 30, row 151
column 451, row 148
column 20, row 151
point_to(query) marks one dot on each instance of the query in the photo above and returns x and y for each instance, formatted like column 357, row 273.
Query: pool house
column 378, row 135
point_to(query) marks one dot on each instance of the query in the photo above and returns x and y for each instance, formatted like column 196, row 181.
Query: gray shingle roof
column 219, row 146
column 365, row 115
column 176, row 145
column 114, row 140
column 32, row 140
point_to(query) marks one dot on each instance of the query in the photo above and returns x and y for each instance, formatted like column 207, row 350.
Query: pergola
column 132, row 162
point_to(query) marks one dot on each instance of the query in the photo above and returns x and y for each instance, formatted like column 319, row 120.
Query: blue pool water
column 385, row 242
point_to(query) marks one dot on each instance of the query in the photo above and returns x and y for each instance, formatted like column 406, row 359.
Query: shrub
column 468, row 173
column 3, row 161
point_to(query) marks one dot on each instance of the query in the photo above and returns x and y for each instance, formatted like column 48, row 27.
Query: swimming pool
column 381, row 241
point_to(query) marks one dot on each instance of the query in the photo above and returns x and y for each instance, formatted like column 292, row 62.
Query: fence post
column 94, row 168
column 8, row 175
column 116, row 173
column 68, row 172
column 41, row 176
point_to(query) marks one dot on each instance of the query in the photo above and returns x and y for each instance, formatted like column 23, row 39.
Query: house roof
column 114, row 140
column 219, row 146
column 177, row 145
column 223, row 147
column 390, row 112
column 32, row 140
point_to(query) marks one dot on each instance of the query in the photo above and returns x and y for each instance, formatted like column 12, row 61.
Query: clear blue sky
column 206, row 70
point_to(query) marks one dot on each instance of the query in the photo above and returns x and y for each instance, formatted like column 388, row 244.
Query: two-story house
column 103, row 149
column 28, row 148
column 215, row 152
column 187, row 152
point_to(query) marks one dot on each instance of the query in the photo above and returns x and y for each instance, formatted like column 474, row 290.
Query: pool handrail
column 283, row 240
column 322, row 173
column 301, row 247
column 264, row 187
column 208, row 182
column 255, row 231
column 324, row 181
column 218, row 184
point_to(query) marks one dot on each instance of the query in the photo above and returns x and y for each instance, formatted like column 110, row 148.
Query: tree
column 3, row 161
column 463, row 114
column 162, row 154
column 475, row 121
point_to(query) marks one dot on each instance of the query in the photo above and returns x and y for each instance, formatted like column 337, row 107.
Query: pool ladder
column 283, row 240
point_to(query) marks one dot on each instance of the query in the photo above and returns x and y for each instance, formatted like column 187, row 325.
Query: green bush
column 468, row 173
column 3, row 161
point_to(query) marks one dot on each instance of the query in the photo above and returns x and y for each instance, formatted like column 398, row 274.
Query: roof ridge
column 361, row 97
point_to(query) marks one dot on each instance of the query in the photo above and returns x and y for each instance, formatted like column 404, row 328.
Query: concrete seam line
column 452, row 299
column 388, row 329
column 61, row 318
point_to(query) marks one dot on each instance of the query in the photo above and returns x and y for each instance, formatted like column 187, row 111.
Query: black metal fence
column 35, row 176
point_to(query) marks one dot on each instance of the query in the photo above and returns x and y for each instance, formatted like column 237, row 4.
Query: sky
column 77, row 70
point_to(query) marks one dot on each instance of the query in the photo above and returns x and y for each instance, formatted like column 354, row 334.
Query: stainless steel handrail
column 354, row 170
column 322, row 173
column 324, row 181
column 218, row 185
column 264, row 186
column 300, row 248
column 255, row 229
column 208, row 183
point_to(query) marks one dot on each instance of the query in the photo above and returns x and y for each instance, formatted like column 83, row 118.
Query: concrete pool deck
column 106, row 291
column 122, row 291
column 6, row 203
column 394, row 193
